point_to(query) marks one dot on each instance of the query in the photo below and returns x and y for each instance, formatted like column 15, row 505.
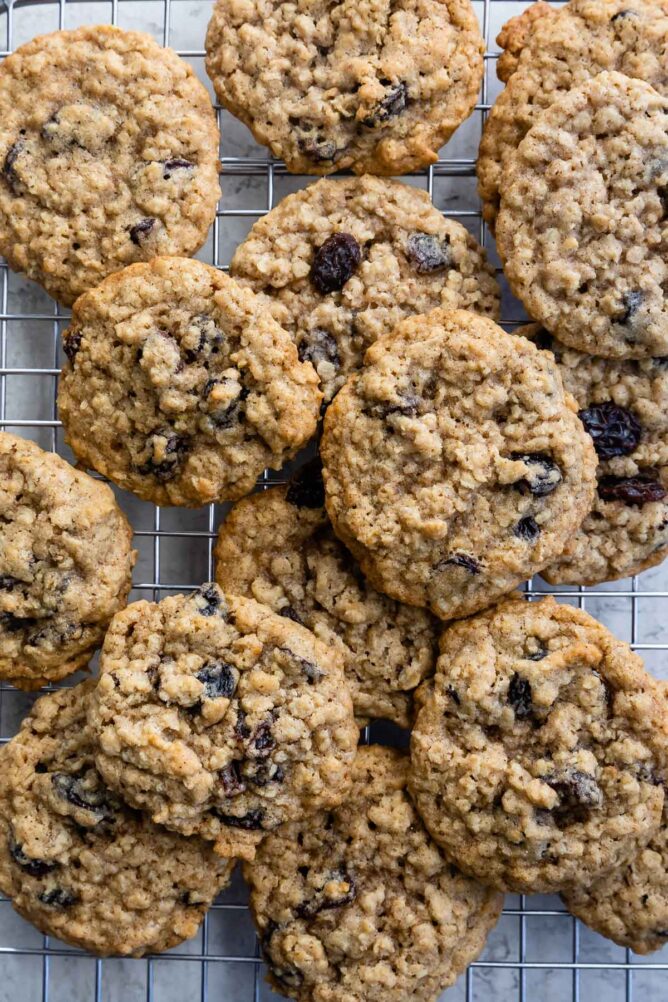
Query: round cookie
column 279, row 548
column 344, row 261
column 360, row 905
column 540, row 750
column 180, row 386
column 348, row 86
column 66, row 562
column 78, row 863
column 624, row 406
column 630, row 905
column 551, row 52
column 220, row 718
column 455, row 466
column 583, row 229
column 100, row 169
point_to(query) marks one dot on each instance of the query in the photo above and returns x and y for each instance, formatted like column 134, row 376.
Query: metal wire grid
column 513, row 976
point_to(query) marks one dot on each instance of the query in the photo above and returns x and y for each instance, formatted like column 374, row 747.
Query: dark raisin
column 543, row 476
column 8, row 583
column 8, row 171
column 252, row 821
column 454, row 695
column 13, row 624
column 519, row 696
column 318, row 346
column 408, row 406
column 231, row 779
column 536, row 655
column 469, row 563
column 615, row 430
column 209, row 600
column 176, row 164
column 578, row 794
column 41, row 768
column 318, row 148
column 140, row 230
column 58, row 897
column 428, row 253
column 33, row 867
column 190, row 899
column 320, row 902
column 662, row 933
column 230, row 415
column 632, row 302
column 543, row 339
column 392, row 104
column 335, row 263
column 287, row 612
column 311, row 670
column 71, row 344
column 306, row 489
column 219, row 679
column 241, row 729
column 639, row 490
column 173, row 452
column 527, row 528
column 262, row 773
column 263, row 740
column 74, row 790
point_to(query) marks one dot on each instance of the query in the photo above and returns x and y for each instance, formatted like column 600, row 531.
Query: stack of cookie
column 455, row 462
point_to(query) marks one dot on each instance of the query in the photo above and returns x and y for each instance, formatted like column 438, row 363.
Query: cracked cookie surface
column 279, row 548
column 539, row 753
column 180, row 386
column 410, row 260
column 359, row 904
column 78, row 863
column 583, row 224
column 220, row 718
column 623, row 404
column 455, row 466
column 66, row 563
column 551, row 52
column 105, row 167
column 376, row 85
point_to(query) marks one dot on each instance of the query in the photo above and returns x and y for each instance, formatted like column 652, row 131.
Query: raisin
column 318, row 346
column 261, row 774
column 519, row 696
column 219, row 680
column 252, row 821
column 428, row 253
column 335, row 263
column 306, row 489
column 408, row 407
column 233, row 413
column 614, row 429
column 8, row 171
column 8, row 583
column 287, row 612
column 578, row 793
column 320, row 902
column 210, row 601
column 536, row 655
column 469, row 563
column 318, row 148
column 311, row 670
column 263, row 739
column 58, row 897
column 527, row 528
column 543, row 477
column 639, row 490
column 74, row 790
column 71, row 344
column 209, row 342
column 13, row 624
column 632, row 302
column 176, row 164
column 140, row 230
column 393, row 104
column 173, row 453
column 241, row 729
column 230, row 777
column 33, row 867
column 543, row 339
column 454, row 695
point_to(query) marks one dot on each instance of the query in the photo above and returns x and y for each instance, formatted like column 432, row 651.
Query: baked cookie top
column 539, row 751
column 344, row 261
column 78, row 863
column 630, row 905
column 623, row 404
column 102, row 168
column 455, row 465
column 66, row 563
column 278, row 547
column 220, row 718
column 359, row 904
column 370, row 86
column 549, row 53
column 180, row 386
column 583, row 229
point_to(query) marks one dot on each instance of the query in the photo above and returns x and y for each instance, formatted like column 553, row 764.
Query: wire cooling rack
column 538, row 953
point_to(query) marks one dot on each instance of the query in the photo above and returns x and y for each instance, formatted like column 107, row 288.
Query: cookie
column 344, row 261
column 623, row 404
column 220, row 718
column 179, row 385
column 359, row 904
column 100, row 169
column 455, row 465
column 549, row 54
column 78, row 863
column 582, row 229
column 539, row 752
column 278, row 547
column 364, row 87
column 66, row 562
column 630, row 905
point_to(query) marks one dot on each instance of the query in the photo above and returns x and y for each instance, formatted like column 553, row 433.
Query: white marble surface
column 540, row 939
